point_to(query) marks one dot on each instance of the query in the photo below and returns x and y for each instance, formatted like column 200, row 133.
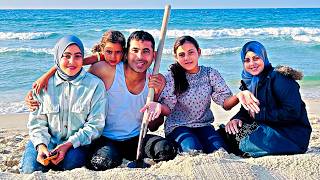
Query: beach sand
column 218, row 165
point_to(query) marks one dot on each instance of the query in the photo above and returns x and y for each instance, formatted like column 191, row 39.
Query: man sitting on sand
column 127, row 90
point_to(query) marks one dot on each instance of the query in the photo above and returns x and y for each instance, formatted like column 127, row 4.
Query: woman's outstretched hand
column 153, row 109
column 248, row 101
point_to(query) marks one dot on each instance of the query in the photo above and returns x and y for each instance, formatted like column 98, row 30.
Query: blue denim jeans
column 204, row 139
column 267, row 141
column 74, row 158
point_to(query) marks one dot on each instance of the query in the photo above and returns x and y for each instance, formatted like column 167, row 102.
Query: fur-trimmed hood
column 289, row 72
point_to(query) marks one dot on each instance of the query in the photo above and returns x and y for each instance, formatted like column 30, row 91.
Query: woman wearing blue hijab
column 71, row 113
column 281, row 126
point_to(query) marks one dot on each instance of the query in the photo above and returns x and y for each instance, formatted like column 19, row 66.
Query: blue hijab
column 59, row 49
column 259, row 50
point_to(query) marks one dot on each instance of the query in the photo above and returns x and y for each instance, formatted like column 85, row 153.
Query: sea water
column 27, row 37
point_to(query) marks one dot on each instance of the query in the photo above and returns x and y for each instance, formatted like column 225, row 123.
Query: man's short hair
column 140, row 36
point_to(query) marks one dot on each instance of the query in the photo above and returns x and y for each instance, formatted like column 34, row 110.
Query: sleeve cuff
column 74, row 141
column 38, row 142
column 221, row 101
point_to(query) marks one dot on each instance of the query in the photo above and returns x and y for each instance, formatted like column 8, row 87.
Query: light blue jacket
column 71, row 111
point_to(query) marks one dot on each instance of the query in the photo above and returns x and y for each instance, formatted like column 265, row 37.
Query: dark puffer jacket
column 284, row 127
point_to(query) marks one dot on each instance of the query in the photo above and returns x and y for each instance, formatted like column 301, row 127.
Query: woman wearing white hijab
column 70, row 116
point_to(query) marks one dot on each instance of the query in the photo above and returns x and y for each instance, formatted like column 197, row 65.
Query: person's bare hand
column 232, row 127
column 248, row 101
column 41, row 83
column 30, row 102
column 61, row 150
column 252, row 114
column 157, row 82
column 153, row 109
column 43, row 153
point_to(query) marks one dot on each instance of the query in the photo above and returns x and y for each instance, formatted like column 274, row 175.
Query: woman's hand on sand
column 153, row 109
column 61, row 149
column 248, row 101
column 43, row 153
column 41, row 83
column 30, row 102
column 232, row 127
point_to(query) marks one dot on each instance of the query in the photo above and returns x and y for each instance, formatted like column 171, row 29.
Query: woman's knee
column 210, row 139
column 75, row 158
column 186, row 139
column 28, row 163
column 191, row 145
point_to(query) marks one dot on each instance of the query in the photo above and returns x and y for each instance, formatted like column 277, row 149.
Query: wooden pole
column 144, row 124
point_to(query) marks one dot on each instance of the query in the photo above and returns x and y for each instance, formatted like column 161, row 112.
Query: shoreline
column 19, row 120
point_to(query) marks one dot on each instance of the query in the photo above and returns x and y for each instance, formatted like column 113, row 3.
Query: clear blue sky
column 155, row 4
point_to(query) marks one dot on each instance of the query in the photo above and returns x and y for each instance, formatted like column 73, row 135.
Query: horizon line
column 156, row 8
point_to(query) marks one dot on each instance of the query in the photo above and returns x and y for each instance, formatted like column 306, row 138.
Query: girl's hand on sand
column 41, row 83
column 43, row 153
column 248, row 101
column 157, row 82
column 61, row 149
column 232, row 126
column 30, row 102
column 153, row 109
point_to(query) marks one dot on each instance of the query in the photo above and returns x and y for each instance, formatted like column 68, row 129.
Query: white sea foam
column 205, row 52
column 98, row 30
column 209, row 51
column 217, row 51
column 24, row 35
column 201, row 33
column 13, row 107
column 306, row 38
column 34, row 50
column 240, row 32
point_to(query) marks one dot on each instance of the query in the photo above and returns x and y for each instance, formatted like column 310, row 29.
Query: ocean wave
column 306, row 38
column 98, row 30
column 49, row 51
column 209, row 51
column 240, row 32
column 27, row 50
column 26, row 35
column 13, row 107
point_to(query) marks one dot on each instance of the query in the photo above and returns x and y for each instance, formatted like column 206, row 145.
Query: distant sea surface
column 27, row 37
